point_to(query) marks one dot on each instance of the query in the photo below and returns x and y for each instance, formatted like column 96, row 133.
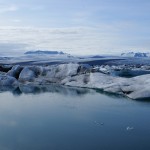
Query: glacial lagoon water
column 64, row 118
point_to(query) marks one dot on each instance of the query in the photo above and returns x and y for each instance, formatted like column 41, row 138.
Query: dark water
column 61, row 118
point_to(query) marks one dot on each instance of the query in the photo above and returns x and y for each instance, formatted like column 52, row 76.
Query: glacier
column 78, row 75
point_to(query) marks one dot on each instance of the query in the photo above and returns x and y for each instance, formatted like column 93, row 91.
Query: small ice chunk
column 129, row 128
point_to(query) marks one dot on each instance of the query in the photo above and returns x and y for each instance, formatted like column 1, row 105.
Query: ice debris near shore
column 79, row 76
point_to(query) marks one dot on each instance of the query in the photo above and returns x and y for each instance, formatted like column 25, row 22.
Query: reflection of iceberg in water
column 53, row 88
column 7, row 88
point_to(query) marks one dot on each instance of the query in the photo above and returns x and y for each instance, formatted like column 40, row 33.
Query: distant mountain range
column 135, row 54
column 96, row 56
column 39, row 52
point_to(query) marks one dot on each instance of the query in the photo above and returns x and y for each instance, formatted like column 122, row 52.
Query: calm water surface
column 61, row 118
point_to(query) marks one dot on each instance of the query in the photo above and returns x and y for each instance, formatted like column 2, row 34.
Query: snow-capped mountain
column 135, row 54
column 39, row 52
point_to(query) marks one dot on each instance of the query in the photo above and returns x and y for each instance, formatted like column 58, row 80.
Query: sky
column 80, row 27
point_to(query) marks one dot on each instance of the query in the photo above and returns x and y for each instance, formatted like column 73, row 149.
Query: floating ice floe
column 78, row 76
column 129, row 128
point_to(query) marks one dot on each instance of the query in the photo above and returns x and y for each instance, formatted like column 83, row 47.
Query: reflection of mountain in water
column 53, row 88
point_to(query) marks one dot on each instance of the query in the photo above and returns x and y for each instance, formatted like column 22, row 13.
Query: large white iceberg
column 80, row 76
column 135, row 88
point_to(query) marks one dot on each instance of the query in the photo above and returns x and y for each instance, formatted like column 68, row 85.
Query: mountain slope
column 135, row 54
column 39, row 52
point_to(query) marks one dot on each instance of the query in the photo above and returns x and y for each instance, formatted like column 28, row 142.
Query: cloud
column 102, row 39
column 78, row 40
column 16, row 20
column 8, row 8
column 36, row 8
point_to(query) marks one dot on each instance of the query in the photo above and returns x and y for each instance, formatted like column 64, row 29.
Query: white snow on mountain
column 135, row 54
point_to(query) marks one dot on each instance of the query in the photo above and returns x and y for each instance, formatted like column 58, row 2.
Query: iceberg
column 6, row 80
column 78, row 75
